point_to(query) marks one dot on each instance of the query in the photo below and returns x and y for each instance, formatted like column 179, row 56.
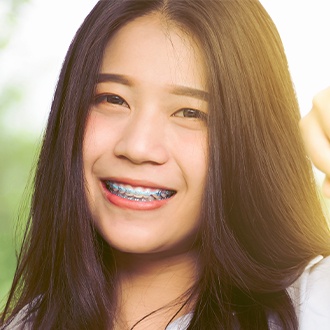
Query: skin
column 315, row 128
column 146, row 136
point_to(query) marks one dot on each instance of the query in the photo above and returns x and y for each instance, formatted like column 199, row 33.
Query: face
column 145, row 157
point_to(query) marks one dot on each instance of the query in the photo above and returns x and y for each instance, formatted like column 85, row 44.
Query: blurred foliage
column 9, row 14
column 17, row 154
column 17, row 151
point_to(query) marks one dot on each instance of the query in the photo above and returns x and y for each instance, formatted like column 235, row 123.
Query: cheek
column 97, row 139
column 92, row 151
column 192, row 155
column 90, row 140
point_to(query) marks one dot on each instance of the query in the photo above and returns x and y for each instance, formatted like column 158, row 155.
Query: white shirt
column 310, row 295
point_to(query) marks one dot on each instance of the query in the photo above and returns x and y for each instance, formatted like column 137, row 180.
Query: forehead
column 156, row 52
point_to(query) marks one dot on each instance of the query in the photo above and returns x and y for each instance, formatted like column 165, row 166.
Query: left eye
column 190, row 113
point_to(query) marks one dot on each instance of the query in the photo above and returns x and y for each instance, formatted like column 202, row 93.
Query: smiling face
column 145, row 154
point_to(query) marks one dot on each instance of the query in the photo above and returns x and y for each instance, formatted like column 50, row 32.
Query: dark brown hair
column 261, row 218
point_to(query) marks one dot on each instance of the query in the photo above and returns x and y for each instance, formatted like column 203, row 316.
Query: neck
column 147, row 283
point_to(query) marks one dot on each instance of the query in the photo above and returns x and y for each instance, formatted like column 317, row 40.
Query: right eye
column 112, row 99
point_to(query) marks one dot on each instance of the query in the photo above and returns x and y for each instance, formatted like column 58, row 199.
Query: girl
column 172, row 189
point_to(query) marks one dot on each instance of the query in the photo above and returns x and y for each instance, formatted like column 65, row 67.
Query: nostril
column 142, row 147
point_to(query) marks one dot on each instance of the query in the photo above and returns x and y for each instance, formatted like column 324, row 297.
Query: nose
column 143, row 140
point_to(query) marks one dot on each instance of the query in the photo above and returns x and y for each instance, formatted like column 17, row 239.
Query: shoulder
column 23, row 319
column 18, row 322
column 311, row 295
column 182, row 323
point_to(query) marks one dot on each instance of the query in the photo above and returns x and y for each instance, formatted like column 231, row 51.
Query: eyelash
column 112, row 99
column 191, row 113
column 117, row 100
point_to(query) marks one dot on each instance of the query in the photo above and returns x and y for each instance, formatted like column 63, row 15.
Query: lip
column 131, row 204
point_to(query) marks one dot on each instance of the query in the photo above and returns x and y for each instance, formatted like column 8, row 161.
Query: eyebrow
column 188, row 91
column 117, row 78
column 173, row 89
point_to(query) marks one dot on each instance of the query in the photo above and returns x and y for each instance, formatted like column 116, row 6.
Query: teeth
column 115, row 187
column 156, row 196
column 163, row 194
column 138, row 193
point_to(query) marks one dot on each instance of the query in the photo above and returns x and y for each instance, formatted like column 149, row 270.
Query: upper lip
column 138, row 183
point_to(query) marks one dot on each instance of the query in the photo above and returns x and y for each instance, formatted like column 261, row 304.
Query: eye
column 112, row 99
column 191, row 113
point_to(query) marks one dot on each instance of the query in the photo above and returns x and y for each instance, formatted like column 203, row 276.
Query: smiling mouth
column 138, row 194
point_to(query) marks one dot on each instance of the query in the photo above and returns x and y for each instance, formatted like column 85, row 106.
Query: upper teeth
column 148, row 194
column 127, row 189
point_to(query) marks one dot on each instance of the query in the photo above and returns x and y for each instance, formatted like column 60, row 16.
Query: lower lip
column 133, row 205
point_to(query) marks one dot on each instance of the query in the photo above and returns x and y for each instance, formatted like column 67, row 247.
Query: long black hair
column 261, row 217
